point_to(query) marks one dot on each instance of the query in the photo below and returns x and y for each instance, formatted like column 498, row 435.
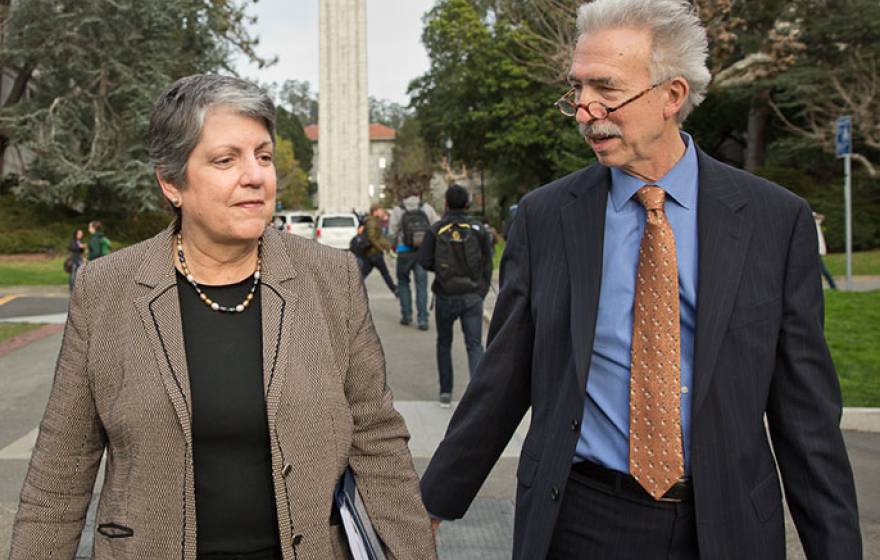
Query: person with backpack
column 407, row 227
column 99, row 245
column 371, row 246
column 458, row 250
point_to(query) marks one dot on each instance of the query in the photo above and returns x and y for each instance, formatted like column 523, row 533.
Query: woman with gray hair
column 230, row 373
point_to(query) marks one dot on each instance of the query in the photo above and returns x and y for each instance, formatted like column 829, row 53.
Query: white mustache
column 603, row 128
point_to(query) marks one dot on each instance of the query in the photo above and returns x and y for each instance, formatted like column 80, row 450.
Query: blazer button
column 554, row 493
column 575, row 425
column 285, row 470
column 297, row 539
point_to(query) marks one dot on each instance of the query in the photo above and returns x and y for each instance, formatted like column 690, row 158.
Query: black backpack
column 414, row 225
column 458, row 256
column 359, row 244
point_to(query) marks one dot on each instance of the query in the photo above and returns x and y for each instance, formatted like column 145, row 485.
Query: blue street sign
column 844, row 136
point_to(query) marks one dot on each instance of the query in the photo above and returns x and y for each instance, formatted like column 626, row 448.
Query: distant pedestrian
column 76, row 249
column 459, row 250
column 407, row 227
column 99, row 245
column 374, row 254
column 823, row 250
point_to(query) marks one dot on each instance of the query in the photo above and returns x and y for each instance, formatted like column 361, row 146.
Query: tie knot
column 651, row 197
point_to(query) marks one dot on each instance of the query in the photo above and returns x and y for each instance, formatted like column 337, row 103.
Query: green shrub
column 29, row 241
column 827, row 198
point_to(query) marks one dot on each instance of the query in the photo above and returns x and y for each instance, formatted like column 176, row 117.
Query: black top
column 235, row 500
column 76, row 249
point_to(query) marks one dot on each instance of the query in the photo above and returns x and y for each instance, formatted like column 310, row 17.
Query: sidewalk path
column 485, row 533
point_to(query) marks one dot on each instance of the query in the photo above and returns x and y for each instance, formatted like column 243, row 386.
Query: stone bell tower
column 343, row 115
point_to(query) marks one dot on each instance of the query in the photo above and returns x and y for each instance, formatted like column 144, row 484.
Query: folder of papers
column 363, row 542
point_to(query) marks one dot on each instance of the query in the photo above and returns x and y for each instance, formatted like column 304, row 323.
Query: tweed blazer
column 121, row 387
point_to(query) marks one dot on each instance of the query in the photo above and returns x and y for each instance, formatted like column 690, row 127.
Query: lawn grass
column 8, row 330
column 852, row 329
column 499, row 250
column 864, row 262
column 32, row 272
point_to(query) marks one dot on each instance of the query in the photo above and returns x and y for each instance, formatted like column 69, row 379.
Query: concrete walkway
column 484, row 534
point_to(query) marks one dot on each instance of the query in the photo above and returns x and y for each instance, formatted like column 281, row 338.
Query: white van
column 336, row 229
column 295, row 222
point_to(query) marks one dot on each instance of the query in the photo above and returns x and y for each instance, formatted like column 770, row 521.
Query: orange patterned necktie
column 655, row 448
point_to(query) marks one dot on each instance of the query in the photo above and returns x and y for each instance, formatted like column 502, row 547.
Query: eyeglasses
column 568, row 104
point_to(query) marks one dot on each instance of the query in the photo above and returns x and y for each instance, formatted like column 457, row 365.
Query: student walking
column 374, row 254
column 407, row 227
column 75, row 259
column 99, row 245
column 459, row 250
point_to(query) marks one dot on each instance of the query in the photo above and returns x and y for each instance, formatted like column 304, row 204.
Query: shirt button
column 554, row 493
column 575, row 425
column 297, row 539
column 684, row 390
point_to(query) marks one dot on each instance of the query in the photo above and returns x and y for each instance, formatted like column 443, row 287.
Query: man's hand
column 435, row 524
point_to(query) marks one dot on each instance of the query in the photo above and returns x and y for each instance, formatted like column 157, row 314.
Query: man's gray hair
column 178, row 117
column 679, row 46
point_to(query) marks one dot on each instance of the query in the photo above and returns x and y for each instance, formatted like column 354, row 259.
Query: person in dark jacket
column 76, row 249
column 374, row 255
column 459, row 250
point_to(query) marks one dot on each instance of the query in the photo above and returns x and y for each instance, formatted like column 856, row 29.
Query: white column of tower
column 343, row 116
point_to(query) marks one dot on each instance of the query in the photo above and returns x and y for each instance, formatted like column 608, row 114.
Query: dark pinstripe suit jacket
column 121, row 384
column 759, row 349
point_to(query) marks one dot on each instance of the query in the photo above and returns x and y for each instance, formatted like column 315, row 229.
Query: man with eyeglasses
column 654, row 309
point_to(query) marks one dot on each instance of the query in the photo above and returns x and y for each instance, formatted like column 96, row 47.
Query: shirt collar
column 680, row 182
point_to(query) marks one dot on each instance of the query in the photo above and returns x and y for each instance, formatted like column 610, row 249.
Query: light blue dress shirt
column 604, row 436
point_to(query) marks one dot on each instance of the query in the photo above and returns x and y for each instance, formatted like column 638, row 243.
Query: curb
column 49, row 291
column 16, row 342
column 860, row 419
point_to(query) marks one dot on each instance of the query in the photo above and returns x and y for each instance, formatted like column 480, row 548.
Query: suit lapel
column 159, row 310
column 723, row 241
column 278, row 308
column 583, row 227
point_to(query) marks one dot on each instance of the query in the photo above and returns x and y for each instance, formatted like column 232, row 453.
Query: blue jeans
column 469, row 309
column 405, row 265
column 376, row 261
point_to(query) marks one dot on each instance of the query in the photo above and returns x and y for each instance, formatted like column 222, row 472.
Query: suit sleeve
column 497, row 396
column 379, row 454
column 61, row 475
column 804, row 411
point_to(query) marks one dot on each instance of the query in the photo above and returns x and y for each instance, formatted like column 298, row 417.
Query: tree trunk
column 4, row 143
column 756, row 133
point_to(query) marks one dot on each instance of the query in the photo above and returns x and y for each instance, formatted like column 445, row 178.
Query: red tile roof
column 377, row 132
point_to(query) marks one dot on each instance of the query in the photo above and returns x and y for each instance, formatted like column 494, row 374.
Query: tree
column 411, row 164
column 293, row 182
column 477, row 93
column 289, row 126
column 387, row 112
column 840, row 75
column 95, row 67
column 298, row 97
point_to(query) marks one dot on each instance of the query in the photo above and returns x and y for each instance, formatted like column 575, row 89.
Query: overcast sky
column 289, row 29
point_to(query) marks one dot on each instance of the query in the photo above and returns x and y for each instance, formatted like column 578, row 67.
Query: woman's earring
column 175, row 202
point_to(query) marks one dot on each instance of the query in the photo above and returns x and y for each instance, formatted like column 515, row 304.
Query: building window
column 381, row 163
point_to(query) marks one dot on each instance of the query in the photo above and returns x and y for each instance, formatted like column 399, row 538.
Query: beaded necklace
column 204, row 297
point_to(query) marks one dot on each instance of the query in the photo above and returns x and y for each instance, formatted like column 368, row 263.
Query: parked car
column 295, row 222
column 336, row 229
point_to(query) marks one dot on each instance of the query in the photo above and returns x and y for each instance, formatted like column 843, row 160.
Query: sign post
column 844, row 150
